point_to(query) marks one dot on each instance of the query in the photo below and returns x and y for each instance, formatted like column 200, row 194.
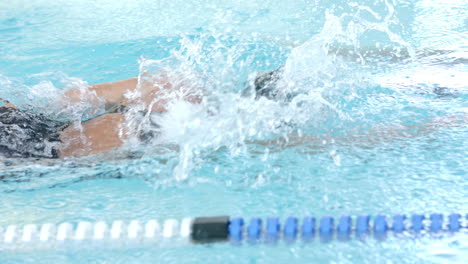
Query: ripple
column 54, row 204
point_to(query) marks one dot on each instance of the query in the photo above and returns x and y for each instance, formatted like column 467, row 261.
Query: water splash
column 329, row 84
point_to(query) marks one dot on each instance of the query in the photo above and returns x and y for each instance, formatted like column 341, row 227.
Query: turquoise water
column 379, row 84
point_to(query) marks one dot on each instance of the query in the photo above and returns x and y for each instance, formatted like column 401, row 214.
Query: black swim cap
column 265, row 85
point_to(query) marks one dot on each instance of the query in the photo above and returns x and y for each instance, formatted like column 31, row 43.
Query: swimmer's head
column 265, row 85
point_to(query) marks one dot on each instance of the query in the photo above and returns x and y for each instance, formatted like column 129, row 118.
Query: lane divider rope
column 236, row 230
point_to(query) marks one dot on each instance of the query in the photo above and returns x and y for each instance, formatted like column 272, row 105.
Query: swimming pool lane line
column 235, row 230
column 325, row 228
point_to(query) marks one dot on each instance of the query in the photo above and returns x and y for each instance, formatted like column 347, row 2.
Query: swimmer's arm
column 111, row 92
column 376, row 135
column 154, row 92
column 402, row 132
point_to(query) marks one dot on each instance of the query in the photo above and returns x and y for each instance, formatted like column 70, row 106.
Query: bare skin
column 99, row 134
column 112, row 92
column 374, row 136
column 7, row 103
column 90, row 139
column 104, row 133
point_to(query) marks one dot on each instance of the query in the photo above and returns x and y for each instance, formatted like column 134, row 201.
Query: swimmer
column 25, row 134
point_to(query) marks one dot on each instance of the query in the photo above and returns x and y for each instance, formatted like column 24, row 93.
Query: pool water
column 374, row 123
